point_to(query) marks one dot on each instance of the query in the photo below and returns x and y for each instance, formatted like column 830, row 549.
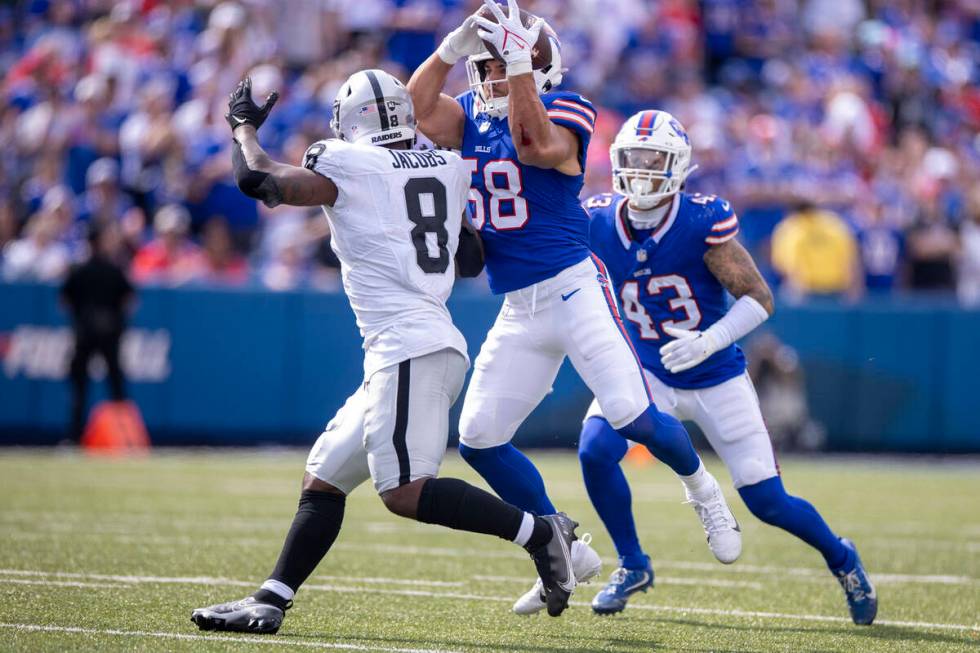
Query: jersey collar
column 625, row 233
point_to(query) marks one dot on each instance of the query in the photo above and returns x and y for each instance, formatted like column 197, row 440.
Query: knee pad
column 750, row 470
column 479, row 430
column 767, row 499
column 622, row 410
column 599, row 444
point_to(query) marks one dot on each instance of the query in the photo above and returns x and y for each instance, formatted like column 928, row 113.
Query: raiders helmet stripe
column 379, row 98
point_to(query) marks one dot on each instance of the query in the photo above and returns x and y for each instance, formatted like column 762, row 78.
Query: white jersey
column 395, row 228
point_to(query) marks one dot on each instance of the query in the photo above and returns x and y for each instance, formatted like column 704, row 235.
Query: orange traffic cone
column 639, row 456
column 115, row 427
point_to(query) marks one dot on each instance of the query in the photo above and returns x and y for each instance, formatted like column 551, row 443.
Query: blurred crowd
column 845, row 132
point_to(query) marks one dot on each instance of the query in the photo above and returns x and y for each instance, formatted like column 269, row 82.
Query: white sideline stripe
column 215, row 638
column 59, row 583
column 708, row 582
column 206, row 580
column 795, row 617
column 738, row 567
column 805, row 573
column 504, row 599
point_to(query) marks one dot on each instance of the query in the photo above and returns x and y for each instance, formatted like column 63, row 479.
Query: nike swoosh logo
column 643, row 582
column 240, row 121
column 565, row 298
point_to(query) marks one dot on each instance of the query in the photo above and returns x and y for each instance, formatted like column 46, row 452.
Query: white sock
column 700, row 484
column 524, row 532
column 282, row 589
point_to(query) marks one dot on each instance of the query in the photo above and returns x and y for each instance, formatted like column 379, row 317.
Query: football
column 541, row 54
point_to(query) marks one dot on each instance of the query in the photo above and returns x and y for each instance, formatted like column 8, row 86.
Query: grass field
column 102, row 555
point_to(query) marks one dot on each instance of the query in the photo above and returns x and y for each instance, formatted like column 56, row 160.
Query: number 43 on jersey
column 684, row 302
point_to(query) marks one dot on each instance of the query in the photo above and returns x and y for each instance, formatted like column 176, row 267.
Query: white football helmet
column 546, row 59
column 651, row 146
column 374, row 108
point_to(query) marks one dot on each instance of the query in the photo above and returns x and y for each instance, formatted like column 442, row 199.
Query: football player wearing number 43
column 526, row 143
column 672, row 256
column 396, row 217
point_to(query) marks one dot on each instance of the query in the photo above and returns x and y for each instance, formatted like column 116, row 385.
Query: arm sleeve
column 743, row 317
column 469, row 255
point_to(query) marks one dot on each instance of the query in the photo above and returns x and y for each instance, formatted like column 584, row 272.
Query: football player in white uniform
column 396, row 216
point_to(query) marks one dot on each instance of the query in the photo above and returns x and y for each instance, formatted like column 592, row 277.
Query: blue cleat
column 862, row 599
column 622, row 584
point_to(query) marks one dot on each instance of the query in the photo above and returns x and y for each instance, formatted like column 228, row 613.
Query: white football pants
column 729, row 416
column 572, row 314
column 395, row 428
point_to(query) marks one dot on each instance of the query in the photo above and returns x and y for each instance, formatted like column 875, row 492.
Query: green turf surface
column 113, row 555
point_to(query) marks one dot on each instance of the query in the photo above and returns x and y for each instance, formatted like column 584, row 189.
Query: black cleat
column 554, row 563
column 248, row 615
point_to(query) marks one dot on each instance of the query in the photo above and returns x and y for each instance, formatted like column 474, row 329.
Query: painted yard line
column 264, row 641
column 140, row 538
column 738, row 567
column 795, row 617
column 805, row 573
column 708, row 582
column 207, row 580
column 655, row 608
column 60, row 583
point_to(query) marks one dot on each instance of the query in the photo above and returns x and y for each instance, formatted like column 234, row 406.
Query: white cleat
column 720, row 525
column 585, row 563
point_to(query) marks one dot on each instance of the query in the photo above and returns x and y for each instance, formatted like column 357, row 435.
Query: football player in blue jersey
column 673, row 260
column 527, row 144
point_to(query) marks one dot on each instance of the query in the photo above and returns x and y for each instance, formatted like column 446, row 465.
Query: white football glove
column 460, row 43
column 508, row 35
column 690, row 348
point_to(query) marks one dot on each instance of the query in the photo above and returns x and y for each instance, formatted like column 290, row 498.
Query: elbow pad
column 469, row 256
column 254, row 183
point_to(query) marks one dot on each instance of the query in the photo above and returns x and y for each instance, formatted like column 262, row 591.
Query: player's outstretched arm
column 440, row 117
column 274, row 183
column 734, row 268
column 256, row 174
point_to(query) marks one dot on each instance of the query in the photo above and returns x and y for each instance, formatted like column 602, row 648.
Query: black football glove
column 242, row 110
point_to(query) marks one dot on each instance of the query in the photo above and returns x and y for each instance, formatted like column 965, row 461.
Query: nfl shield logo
column 484, row 126
column 641, row 255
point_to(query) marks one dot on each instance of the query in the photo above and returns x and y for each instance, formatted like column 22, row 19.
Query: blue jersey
column 662, row 280
column 530, row 219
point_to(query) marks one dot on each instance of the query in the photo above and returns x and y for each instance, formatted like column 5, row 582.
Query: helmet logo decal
column 644, row 126
column 676, row 126
column 379, row 99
